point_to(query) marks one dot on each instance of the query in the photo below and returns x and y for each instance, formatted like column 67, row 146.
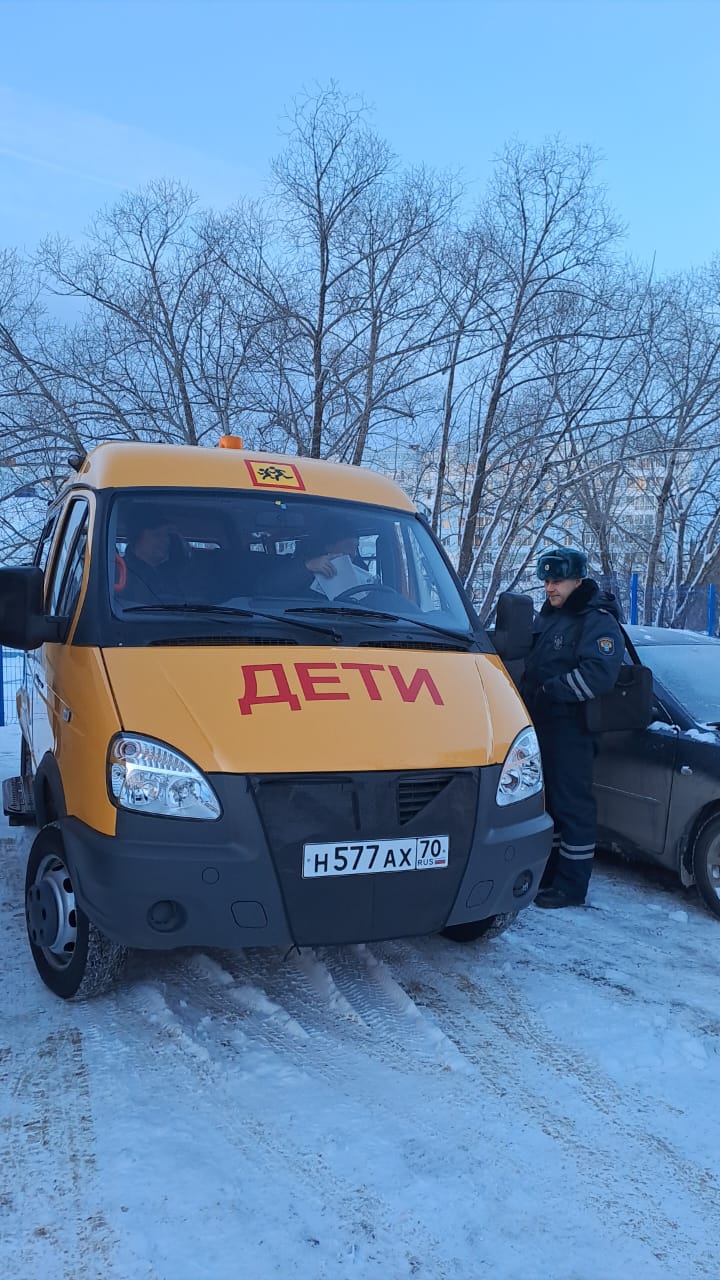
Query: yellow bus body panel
column 279, row 710
column 81, row 719
column 131, row 466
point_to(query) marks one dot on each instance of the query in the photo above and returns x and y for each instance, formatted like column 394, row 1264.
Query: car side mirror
column 23, row 624
column 659, row 714
column 513, row 632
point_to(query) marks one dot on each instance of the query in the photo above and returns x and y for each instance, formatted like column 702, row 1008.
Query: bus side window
column 73, row 535
column 72, row 581
column 42, row 551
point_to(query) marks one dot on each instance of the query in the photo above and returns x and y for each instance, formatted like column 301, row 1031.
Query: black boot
column 554, row 898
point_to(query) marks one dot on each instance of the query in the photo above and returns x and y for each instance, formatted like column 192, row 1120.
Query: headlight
column 522, row 771
column 149, row 777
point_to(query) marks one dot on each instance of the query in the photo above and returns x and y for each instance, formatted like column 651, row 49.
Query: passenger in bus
column 155, row 559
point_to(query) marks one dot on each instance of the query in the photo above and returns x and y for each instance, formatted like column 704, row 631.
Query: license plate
column 416, row 853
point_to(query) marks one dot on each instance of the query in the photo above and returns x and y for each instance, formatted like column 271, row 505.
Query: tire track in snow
column 661, row 946
column 495, row 1070
column 368, row 1222
column 49, row 1143
column 398, row 1025
column 13, row 851
column 630, row 991
column 50, row 1185
column 346, row 996
column 512, row 1014
column 335, row 1010
column 504, row 1074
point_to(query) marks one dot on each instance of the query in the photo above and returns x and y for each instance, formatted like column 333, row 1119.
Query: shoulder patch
column 606, row 645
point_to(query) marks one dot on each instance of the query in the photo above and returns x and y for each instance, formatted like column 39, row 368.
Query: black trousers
column 567, row 756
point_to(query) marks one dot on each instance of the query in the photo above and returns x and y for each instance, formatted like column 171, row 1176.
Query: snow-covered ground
column 544, row 1107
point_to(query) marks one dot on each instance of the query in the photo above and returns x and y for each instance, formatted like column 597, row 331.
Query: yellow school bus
column 259, row 710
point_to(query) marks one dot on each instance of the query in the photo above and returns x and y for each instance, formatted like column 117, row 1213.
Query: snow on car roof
column 667, row 635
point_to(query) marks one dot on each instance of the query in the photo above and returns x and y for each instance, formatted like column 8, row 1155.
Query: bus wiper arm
column 346, row 612
column 162, row 607
column 230, row 611
column 458, row 636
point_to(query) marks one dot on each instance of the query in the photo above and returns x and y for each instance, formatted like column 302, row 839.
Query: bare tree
column 547, row 227
column 681, row 440
column 164, row 339
column 333, row 159
column 515, row 380
column 36, row 409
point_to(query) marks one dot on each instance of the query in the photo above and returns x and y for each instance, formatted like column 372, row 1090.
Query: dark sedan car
column 658, row 790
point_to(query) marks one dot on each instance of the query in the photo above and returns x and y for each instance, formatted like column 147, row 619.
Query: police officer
column 576, row 655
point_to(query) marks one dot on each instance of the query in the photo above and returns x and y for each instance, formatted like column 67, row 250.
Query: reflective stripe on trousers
column 567, row 755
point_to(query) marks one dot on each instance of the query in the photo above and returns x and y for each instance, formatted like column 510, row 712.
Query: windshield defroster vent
column 444, row 646
column 208, row 642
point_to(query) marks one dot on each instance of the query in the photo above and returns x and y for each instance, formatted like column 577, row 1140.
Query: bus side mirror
column 513, row 632
column 23, row 624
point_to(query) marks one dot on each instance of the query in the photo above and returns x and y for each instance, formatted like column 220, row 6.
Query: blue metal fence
column 12, row 671
column 693, row 608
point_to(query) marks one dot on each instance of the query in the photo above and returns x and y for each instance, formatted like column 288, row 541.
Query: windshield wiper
column 162, row 607
column 353, row 613
column 458, row 636
column 230, row 611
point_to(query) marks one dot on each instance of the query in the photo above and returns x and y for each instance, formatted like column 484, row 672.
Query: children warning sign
column 274, row 475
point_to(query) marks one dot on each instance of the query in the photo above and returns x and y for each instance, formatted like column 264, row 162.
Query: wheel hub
column 52, row 913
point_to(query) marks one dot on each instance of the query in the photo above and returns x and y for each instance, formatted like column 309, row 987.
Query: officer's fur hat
column 562, row 562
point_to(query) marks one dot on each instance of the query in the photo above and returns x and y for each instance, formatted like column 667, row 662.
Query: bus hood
column 267, row 709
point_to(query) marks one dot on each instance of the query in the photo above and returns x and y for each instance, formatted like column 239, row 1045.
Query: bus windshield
column 182, row 550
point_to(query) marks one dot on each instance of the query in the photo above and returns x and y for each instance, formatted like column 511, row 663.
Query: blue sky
column 97, row 96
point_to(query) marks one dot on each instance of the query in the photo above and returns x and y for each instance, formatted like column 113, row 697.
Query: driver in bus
column 339, row 566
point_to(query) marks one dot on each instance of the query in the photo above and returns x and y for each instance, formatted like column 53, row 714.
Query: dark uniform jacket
column 148, row 584
column 576, row 655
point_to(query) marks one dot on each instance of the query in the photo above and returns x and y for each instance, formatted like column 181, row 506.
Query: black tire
column 74, row 959
column 706, row 864
column 473, row 930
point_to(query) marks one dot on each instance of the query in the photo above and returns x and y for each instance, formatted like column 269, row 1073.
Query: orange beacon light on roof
column 230, row 442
